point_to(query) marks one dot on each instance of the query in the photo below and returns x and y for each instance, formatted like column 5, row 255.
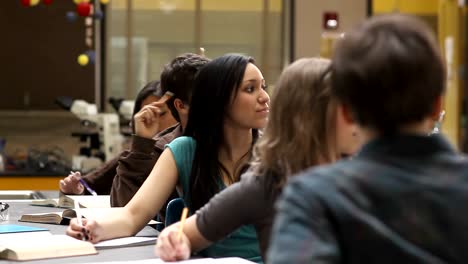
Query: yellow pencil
column 182, row 220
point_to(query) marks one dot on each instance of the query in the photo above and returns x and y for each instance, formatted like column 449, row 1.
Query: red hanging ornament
column 26, row 2
column 29, row 3
column 47, row 2
column 83, row 9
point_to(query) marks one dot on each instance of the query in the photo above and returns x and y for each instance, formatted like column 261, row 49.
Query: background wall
column 41, row 47
column 38, row 51
column 160, row 34
column 43, row 38
column 308, row 22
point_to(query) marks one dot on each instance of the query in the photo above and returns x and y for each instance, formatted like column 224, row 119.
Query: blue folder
column 19, row 228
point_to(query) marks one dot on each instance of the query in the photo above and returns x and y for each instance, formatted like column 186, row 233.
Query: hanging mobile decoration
column 89, row 56
column 83, row 59
column 83, row 9
column 98, row 15
column 71, row 16
column 29, row 3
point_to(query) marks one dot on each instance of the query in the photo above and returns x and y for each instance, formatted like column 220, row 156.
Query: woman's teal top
column 242, row 242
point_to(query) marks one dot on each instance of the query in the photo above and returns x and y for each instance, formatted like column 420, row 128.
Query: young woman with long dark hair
column 228, row 106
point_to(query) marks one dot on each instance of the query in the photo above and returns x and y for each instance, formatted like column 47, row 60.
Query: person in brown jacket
column 101, row 178
column 135, row 164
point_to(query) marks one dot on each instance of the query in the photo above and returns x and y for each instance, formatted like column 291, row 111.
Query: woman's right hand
column 169, row 247
column 71, row 184
column 89, row 230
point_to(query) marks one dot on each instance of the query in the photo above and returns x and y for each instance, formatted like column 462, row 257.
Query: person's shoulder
column 182, row 144
column 252, row 178
column 322, row 177
column 169, row 130
column 183, row 140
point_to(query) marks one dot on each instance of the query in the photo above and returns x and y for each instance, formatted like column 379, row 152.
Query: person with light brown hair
column 305, row 129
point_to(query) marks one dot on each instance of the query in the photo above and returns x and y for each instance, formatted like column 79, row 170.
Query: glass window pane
column 238, row 26
column 161, row 30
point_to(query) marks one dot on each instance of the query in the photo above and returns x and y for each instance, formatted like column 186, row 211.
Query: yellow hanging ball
column 81, row 1
column 105, row 2
column 83, row 60
column 34, row 2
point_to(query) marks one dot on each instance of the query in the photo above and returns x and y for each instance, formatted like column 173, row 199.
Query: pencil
column 167, row 95
column 78, row 218
column 93, row 192
column 78, row 213
column 90, row 190
column 182, row 220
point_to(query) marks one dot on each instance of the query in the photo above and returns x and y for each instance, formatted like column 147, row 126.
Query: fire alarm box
column 330, row 33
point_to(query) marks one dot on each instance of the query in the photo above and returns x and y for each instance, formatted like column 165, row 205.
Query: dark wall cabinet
column 38, row 56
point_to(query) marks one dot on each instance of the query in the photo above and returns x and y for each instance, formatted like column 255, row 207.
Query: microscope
column 101, row 132
column 124, row 108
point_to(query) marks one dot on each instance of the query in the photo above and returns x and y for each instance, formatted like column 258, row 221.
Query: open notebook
column 39, row 245
column 63, row 218
column 68, row 201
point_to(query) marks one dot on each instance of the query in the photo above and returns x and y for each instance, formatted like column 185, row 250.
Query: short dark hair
column 177, row 77
column 215, row 86
column 389, row 72
column 151, row 88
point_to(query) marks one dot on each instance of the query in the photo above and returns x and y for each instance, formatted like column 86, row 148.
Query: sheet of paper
column 90, row 201
column 21, row 237
column 125, row 241
column 231, row 261
column 190, row 261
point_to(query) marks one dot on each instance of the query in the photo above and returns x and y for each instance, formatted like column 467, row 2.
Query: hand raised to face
column 146, row 121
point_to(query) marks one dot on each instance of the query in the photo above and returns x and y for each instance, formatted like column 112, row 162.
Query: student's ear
column 346, row 113
column 437, row 109
column 180, row 106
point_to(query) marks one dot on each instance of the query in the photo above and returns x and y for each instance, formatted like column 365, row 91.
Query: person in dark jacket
column 404, row 197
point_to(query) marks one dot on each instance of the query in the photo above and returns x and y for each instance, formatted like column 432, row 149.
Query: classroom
column 222, row 131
